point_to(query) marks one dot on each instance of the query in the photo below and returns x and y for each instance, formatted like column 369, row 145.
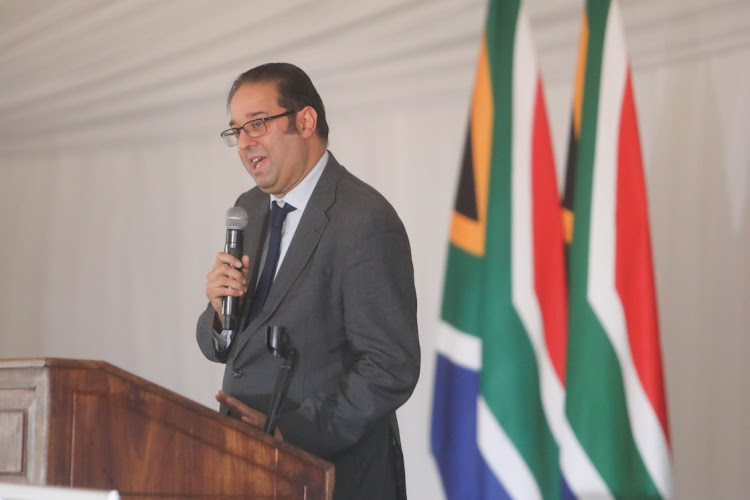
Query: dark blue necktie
column 278, row 214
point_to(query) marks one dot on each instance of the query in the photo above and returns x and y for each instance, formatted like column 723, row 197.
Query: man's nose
column 244, row 140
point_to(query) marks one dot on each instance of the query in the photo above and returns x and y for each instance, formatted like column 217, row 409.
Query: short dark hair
column 295, row 89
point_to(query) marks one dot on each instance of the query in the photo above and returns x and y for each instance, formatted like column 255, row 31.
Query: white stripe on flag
column 460, row 348
column 525, row 300
column 496, row 448
column 525, row 74
column 502, row 457
column 578, row 470
column 602, row 292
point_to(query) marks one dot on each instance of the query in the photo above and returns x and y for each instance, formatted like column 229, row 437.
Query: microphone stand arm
column 280, row 390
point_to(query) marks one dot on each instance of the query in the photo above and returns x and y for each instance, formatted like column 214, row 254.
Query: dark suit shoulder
column 362, row 201
column 251, row 197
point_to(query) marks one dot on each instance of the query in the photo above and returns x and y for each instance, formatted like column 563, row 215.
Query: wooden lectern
column 89, row 424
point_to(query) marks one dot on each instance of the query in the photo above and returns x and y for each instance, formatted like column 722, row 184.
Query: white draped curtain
column 114, row 183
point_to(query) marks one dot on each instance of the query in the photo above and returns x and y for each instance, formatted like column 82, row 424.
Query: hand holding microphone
column 227, row 281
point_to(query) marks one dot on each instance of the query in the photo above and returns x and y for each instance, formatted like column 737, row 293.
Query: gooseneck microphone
column 280, row 345
column 236, row 220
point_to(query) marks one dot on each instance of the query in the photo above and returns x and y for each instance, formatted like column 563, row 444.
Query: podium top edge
column 136, row 384
column 50, row 363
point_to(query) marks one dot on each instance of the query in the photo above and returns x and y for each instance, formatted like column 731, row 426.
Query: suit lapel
column 301, row 248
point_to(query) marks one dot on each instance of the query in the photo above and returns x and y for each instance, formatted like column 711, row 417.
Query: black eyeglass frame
column 232, row 134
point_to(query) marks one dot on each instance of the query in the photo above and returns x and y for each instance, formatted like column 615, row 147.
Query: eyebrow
column 249, row 117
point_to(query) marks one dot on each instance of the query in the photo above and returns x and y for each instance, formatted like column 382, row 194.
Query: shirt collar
column 300, row 194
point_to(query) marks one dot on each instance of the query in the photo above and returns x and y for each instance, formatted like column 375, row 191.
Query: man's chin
column 266, row 187
column 262, row 183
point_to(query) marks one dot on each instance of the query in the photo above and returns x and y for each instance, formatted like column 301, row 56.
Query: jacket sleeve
column 204, row 335
column 208, row 321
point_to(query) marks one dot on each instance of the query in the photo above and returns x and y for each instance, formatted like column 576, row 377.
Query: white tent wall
column 114, row 184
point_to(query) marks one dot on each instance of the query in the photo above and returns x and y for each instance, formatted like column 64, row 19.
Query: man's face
column 276, row 160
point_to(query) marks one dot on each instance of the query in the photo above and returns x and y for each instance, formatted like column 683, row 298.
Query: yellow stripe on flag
column 466, row 233
column 580, row 76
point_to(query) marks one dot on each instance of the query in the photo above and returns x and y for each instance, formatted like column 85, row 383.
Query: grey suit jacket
column 345, row 293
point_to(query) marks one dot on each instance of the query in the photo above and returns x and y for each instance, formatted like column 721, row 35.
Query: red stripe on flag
column 549, row 265
column 634, row 272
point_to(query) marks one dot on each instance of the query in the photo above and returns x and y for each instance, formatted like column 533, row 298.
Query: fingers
column 247, row 414
column 225, row 258
column 221, row 396
column 228, row 277
column 257, row 419
column 235, row 404
column 230, row 267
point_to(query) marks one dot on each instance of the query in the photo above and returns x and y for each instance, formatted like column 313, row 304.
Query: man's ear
column 307, row 121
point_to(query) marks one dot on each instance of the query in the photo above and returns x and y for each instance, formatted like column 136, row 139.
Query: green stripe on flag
column 510, row 376
column 595, row 393
column 463, row 293
column 597, row 410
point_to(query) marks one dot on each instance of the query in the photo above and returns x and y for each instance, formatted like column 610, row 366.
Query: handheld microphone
column 236, row 220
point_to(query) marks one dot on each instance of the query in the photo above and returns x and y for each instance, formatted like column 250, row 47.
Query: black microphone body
column 236, row 221
column 280, row 345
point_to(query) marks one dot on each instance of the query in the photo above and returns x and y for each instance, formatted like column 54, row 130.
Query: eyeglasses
column 253, row 128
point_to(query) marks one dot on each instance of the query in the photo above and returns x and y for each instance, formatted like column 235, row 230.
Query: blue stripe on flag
column 566, row 493
column 464, row 471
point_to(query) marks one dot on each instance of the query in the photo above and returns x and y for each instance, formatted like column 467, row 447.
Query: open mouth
column 257, row 162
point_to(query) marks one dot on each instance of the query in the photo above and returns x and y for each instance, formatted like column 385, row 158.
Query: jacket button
column 237, row 373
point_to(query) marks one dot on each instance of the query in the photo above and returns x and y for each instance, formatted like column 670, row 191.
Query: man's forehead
column 253, row 99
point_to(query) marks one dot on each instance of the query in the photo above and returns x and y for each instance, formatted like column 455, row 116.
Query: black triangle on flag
column 466, row 198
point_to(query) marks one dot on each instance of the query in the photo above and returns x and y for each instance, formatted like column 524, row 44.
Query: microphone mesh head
column 236, row 218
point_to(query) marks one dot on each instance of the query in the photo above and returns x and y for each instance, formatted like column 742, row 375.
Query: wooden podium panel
column 89, row 424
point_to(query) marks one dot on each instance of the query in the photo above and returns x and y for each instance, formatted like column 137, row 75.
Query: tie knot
column 278, row 213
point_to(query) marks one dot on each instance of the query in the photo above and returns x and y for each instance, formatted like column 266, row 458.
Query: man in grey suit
column 343, row 289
